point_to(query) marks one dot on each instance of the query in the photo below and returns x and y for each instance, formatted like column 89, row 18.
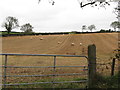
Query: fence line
column 112, row 63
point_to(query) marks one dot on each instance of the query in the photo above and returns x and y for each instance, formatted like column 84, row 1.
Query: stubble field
column 73, row 44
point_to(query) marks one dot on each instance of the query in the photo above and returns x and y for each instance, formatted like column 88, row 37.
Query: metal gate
column 6, row 66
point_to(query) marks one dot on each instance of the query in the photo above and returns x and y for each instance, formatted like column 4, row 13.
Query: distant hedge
column 4, row 33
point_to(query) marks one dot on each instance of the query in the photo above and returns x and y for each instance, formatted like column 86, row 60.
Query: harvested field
column 106, row 43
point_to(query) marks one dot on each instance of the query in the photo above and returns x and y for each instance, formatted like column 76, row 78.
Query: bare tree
column 10, row 23
column 93, row 3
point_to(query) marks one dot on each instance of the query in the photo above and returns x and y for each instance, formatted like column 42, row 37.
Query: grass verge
column 107, row 82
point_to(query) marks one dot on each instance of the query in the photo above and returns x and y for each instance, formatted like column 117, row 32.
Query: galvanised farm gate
column 89, row 80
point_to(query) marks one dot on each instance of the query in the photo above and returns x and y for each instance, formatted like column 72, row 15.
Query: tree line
column 114, row 25
column 12, row 23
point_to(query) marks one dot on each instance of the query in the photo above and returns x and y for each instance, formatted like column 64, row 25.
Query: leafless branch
column 91, row 3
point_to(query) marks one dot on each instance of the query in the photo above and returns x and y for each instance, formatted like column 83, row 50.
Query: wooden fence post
column 113, row 66
column 91, row 66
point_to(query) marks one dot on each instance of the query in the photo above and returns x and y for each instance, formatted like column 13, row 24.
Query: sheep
column 59, row 42
column 72, row 44
column 80, row 44
column 41, row 38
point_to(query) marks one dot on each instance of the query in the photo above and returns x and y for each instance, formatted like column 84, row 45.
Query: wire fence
column 108, row 67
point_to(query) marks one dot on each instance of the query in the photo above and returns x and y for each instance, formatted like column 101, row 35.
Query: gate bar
column 40, row 66
column 81, row 81
column 46, row 75
column 43, row 55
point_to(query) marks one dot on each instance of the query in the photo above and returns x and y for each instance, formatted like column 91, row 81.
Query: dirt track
column 60, row 44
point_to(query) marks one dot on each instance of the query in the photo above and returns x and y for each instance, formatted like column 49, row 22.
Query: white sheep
column 80, row 44
column 41, row 38
column 72, row 44
column 59, row 42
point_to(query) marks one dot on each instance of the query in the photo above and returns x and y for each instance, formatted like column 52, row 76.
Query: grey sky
column 65, row 15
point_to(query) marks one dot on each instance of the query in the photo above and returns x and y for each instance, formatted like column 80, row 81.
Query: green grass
column 102, row 82
column 107, row 82
column 51, row 85
column 4, row 33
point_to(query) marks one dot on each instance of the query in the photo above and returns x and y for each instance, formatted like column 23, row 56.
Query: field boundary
column 54, row 33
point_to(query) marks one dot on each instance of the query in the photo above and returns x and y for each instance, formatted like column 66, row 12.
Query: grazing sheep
column 80, row 44
column 72, row 44
column 59, row 42
column 41, row 38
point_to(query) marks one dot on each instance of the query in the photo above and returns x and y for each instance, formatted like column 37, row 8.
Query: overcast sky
column 65, row 15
